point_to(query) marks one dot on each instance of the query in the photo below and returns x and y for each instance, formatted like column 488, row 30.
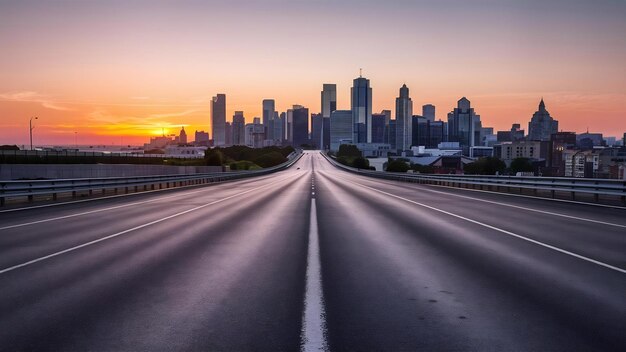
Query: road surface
column 313, row 258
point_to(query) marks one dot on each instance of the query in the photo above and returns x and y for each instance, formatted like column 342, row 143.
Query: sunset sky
column 118, row 71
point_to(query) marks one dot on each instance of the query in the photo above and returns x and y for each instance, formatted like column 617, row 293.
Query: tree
column 485, row 166
column 343, row 160
column 214, row 157
column 423, row 169
column 361, row 163
column 397, row 166
column 270, row 159
column 349, row 151
column 521, row 165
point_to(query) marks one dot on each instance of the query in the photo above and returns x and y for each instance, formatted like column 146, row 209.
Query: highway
column 313, row 258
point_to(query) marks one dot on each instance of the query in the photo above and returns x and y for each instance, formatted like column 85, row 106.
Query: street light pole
column 30, row 125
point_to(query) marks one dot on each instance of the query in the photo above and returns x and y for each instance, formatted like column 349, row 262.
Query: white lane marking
column 427, row 189
column 71, row 249
column 313, row 334
column 526, row 208
column 509, row 194
column 101, row 210
column 120, row 195
column 609, row 266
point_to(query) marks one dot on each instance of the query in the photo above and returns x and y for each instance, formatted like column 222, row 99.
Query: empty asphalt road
column 313, row 258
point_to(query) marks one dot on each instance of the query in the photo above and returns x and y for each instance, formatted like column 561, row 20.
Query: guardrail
column 551, row 185
column 32, row 188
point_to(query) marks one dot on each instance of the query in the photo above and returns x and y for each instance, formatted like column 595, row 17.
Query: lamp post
column 30, row 125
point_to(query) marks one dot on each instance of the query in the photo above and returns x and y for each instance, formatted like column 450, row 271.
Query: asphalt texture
column 224, row 268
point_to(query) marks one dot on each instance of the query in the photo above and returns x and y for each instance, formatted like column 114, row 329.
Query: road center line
column 572, row 254
column 313, row 334
column 71, row 249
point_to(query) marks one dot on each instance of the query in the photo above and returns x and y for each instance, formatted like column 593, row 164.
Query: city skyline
column 122, row 84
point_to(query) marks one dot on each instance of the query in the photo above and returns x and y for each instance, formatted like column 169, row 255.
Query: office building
column 268, row 117
column 464, row 126
column 508, row 151
column 542, row 125
column 427, row 133
column 228, row 130
column 387, row 114
column 559, row 142
column 239, row 128
column 361, row 103
column 182, row 137
column 329, row 99
column 300, row 127
column 404, row 115
column 428, row 111
column 588, row 140
column 340, row 128
column 255, row 134
column 317, row 122
column 279, row 128
column 379, row 127
column 201, row 138
column 326, row 133
column 218, row 120
column 512, row 135
column 392, row 134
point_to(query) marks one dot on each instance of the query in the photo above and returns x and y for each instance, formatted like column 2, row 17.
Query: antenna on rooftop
column 360, row 73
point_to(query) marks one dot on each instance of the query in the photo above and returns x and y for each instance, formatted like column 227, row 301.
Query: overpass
column 313, row 257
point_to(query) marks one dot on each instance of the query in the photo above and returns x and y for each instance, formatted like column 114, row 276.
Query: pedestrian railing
column 54, row 187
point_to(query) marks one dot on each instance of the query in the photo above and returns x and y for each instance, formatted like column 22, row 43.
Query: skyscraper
column 239, row 128
column 317, row 125
column 329, row 99
column 378, row 128
column 218, row 120
column 542, row 125
column 464, row 126
column 361, row 102
column 428, row 111
column 387, row 131
column 182, row 137
column 268, row 117
column 340, row 128
column 300, row 127
column 326, row 132
column 279, row 128
column 404, row 116
column 228, row 130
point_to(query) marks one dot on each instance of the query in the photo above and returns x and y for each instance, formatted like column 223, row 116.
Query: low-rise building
column 508, row 151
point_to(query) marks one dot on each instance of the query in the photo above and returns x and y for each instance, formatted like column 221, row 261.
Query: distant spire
column 360, row 73
column 542, row 105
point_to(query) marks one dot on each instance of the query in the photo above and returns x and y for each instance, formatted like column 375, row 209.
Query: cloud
column 33, row 97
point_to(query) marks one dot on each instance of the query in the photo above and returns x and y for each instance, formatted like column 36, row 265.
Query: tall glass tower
column 268, row 118
column 361, row 103
column 404, row 118
column 218, row 120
